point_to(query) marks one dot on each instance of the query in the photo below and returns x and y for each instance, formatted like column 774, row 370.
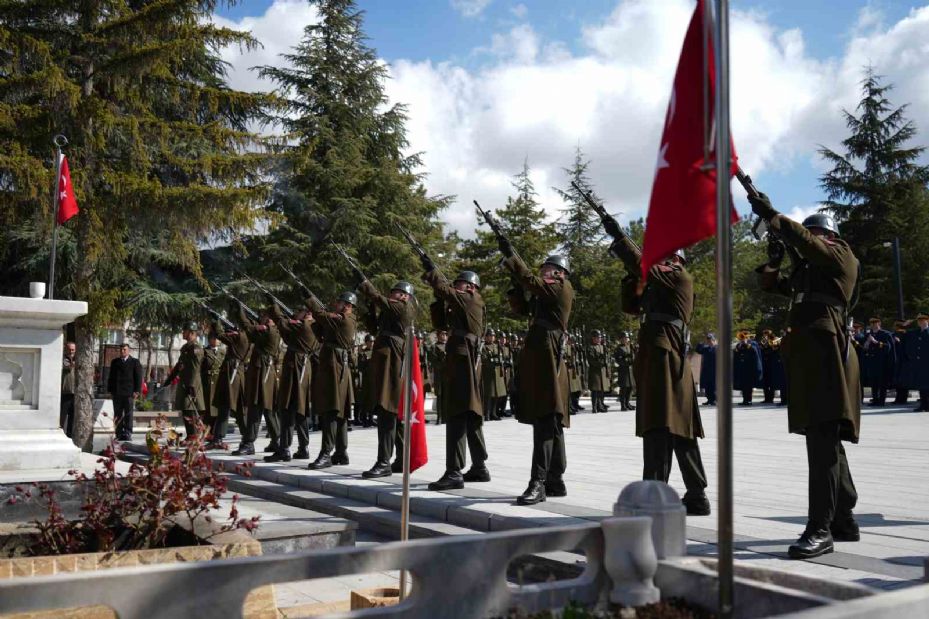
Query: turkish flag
column 67, row 203
column 418, row 452
column 682, row 208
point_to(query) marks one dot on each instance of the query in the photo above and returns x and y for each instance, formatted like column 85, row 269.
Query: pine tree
column 160, row 149
column 877, row 191
column 523, row 220
column 345, row 175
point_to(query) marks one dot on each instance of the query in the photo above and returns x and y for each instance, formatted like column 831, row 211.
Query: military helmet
column 489, row 331
column 821, row 220
column 192, row 326
column 557, row 260
column 349, row 297
column 403, row 286
column 470, row 277
column 596, row 333
column 369, row 338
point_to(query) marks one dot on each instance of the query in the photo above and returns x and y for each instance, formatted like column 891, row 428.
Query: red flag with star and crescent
column 682, row 208
column 67, row 203
column 418, row 453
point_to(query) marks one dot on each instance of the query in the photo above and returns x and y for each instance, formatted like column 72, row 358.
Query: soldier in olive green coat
column 573, row 364
column 493, row 380
column 465, row 315
column 823, row 399
column 394, row 315
column 667, row 413
column 437, row 357
column 332, row 387
column 598, row 379
column 229, row 396
column 189, row 395
column 293, row 392
column 260, row 378
column 209, row 372
column 543, row 392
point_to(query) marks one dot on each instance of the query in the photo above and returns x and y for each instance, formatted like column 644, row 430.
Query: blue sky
column 796, row 63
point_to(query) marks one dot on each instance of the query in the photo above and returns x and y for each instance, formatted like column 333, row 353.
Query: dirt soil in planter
column 672, row 608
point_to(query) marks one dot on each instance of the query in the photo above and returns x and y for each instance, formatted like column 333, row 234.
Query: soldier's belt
column 818, row 297
column 665, row 318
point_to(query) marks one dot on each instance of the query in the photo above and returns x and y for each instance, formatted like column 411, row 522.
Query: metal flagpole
column 723, row 310
column 407, row 374
column 59, row 141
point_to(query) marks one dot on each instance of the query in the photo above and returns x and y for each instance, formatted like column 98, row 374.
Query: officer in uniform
column 879, row 361
column 260, row 377
column 229, row 396
column 465, row 316
column 332, row 385
column 667, row 413
column 506, row 363
column 901, row 392
column 822, row 371
column 916, row 354
column 393, row 314
column 493, row 381
column 212, row 362
column 189, row 395
column 746, row 366
column 772, row 367
column 624, row 356
column 542, row 378
column 296, row 378
column 707, row 352
column 598, row 380
column 363, row 393
column 437, row 354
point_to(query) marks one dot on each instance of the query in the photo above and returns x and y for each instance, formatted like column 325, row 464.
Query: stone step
column 14, row 406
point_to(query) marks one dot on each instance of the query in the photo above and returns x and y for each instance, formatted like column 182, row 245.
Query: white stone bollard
column 629, row 558
column 659, row 501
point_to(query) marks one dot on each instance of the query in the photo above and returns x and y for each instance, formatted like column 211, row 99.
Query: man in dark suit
column 124, row 384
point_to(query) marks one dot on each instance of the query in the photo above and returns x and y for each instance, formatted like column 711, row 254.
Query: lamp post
column 898, row 272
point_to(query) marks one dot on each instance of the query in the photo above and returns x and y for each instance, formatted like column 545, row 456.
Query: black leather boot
column 282, row 455
column 813, row 543
column 555, row 487
column 448, row 481
column 244, row 449
column 322, row 461
column 380, row 469
column 340, row 458
column 697, row 505
column 535, row 493
column 477, row 474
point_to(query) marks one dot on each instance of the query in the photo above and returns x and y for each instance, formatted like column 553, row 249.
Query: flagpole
column 723, row 311
column 407, row 373
column 59, row 141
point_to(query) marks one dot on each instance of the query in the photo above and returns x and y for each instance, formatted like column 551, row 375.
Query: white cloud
column 520, row 11
column 470, row 8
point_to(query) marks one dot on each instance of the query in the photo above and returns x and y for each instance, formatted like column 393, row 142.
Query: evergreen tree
column 344, row 175
column 877, row 191
column 524, row 222
column 160, row 151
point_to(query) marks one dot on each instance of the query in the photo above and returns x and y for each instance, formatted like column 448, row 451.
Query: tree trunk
column 84, row 386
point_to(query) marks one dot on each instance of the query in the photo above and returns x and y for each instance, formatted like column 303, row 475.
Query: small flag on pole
column 418, row 452
column 67, row 202
column 682, row 208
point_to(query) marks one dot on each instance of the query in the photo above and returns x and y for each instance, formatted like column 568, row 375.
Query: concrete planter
column 375, row 598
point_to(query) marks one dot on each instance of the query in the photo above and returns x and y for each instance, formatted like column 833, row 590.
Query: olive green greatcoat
column 363, row 395
column 438, row 359
column 666, row 394
column 625, row 361
column 465, row 321
column 541, row 380
column 189, row 393
column 332, row 385
column 822, row 369
column 572, row 362
column 230, row 386
column 209, row 375
column 393, row 319
column 598, row 366
column 261, row 377
column 493, row 380
column 297, row 367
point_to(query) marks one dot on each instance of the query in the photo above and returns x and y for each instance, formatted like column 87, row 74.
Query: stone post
column 629, row 559
column 659, row 501
column 31, row 349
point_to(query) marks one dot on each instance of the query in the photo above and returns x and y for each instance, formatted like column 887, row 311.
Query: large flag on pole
column 67, row 202
column 418, row 453
column 682, row 208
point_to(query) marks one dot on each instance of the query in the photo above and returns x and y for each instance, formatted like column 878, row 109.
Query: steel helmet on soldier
column 489, row 331
column 349, row 297
column 596, row 333
column 557, row 260
column 821, row 220
column 406, row 287
column 469, row 277
column 193, row 326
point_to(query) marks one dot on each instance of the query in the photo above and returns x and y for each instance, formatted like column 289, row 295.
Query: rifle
column 760, row 227
column 227, row 324
column 351, row 262
column 306, row 290
column 494, row 226
column 287, row 311
column 417, row 248
column 252, row 314
column 599, row 210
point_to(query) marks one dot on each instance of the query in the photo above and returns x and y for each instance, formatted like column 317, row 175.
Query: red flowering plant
column 139, row 509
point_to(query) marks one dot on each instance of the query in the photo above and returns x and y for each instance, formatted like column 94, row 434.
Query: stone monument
column 31, row 343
